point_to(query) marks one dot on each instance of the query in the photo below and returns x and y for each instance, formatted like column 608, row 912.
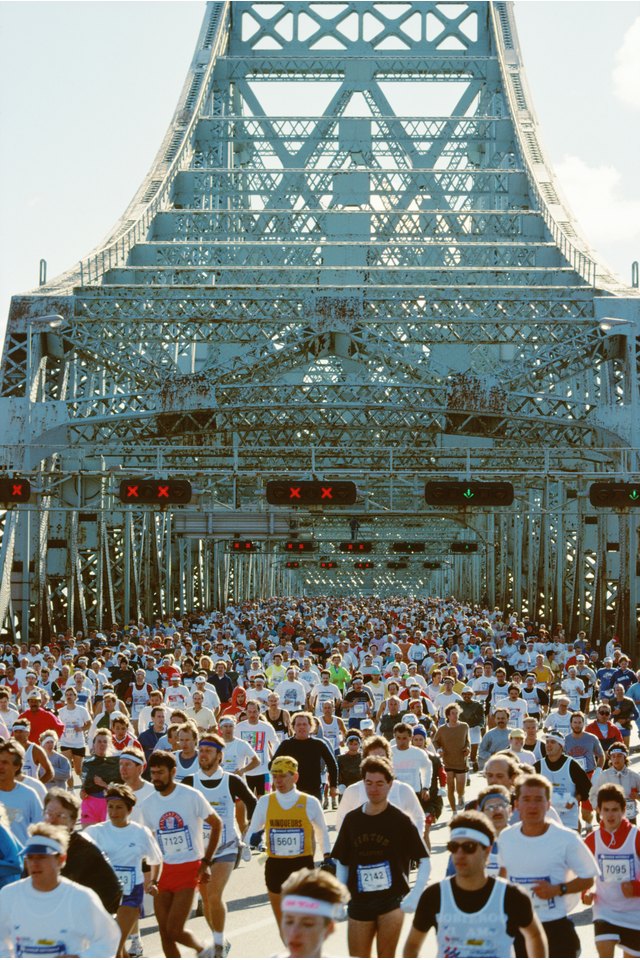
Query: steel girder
column 332, row 286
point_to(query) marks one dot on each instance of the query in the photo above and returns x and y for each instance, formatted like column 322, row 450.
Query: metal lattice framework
column 349, row 259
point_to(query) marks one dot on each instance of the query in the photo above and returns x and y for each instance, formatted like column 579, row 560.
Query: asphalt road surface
column 251, row 928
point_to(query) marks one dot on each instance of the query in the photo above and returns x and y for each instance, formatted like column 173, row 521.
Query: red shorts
column 179, row 876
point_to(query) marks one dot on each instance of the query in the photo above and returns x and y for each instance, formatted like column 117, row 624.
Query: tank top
column 564, row 790
column 219, row 796
column 185, row 770
column 492, row 868
column 139, row 699
column 29, row 767
column 481, row 934
column 615, row 866
column 331, row 733
column 279, row 726
column 288, row 833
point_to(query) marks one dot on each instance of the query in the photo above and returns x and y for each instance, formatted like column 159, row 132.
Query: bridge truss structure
column 351, row 260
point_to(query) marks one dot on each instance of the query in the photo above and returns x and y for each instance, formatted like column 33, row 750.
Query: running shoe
column 325, row 803
column 210, row 951
column 135, row 948
column 221, row 950
column 246, row 852
column 334, row 804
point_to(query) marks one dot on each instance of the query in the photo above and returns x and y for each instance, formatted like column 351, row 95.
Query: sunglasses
column 490, row 807
column 604, row 713
column 467, row 846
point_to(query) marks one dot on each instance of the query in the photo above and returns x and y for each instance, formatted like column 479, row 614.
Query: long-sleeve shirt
column 310, row 753
column 287, row 800
column 492, row 742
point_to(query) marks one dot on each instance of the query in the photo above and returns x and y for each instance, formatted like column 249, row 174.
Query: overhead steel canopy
column 349, row 260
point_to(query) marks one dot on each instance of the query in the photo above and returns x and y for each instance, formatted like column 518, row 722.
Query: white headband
column 310, row 907
column 468, row 833
column 132, row 757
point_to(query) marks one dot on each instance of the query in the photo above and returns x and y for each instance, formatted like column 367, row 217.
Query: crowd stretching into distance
column 319, row 743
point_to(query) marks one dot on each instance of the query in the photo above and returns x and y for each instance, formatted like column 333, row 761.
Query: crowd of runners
column 321, row 741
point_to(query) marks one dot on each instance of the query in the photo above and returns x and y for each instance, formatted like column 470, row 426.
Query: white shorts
column 475, row 734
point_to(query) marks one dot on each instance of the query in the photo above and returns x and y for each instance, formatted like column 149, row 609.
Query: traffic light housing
column 408, row 546
column 614, row 495
column 364, row 565
column 155, row 491
column 292, row 564
column 431, row 565
column 356, row 546
column 464, row 546
column 300, row 546
column 243, row 546
column 14, row 490
column 472, row 493
column 328, row 564
column 397, row 564
column 311, row 493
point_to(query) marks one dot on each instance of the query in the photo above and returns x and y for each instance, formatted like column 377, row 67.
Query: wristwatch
column 563, row 889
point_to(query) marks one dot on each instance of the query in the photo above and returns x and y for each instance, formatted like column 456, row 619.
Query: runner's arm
column 535, row 939
column 315, row 814
column 240, row 791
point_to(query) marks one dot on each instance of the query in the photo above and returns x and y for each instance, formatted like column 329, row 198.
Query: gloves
column 329, row 864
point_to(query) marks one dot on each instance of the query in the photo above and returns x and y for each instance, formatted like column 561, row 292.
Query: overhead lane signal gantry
column 408, row 546
column 155, row 491
column 468, row 493
column 356, row 546
column 243, row 546
column 14, row 490
column 300, row 546
column 311, row 493
column 614, row 495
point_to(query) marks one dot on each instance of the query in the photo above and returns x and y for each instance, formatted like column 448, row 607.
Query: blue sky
column 87, row 91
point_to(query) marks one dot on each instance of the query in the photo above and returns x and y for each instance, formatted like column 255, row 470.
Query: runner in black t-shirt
column 475, row 915
column 374, row 849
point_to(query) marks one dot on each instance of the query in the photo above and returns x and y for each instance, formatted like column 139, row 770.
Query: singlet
column 139, row 699
column 615, row 866
column 29, row 766
column 279, row 726
column 564, row 790
column 331, row 733
column 219, row 796
column 492, row 868
column 185, row 769
column 481, row 934
column 288, row 833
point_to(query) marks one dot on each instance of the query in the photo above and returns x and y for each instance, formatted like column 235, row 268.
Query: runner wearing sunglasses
column 475, row 915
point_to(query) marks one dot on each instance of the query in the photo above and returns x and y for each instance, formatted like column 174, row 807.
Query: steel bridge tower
column 349, row 259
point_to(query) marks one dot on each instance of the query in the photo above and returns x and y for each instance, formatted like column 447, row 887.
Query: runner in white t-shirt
column 126, row 845
column 77, row 722
column 176, row 815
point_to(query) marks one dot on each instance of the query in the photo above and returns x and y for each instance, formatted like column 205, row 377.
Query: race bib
column 286, row 843
column 360, row 709
column 631, row 809
column 581, row 761
column 374, row 877
column 616, row 868
column 529, row 883
column 126, row 877
column 207, row 833
column 175, row 842
column 27, row 947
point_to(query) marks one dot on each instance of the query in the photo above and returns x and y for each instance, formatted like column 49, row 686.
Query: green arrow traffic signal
column 468, row 494
column 634, row 495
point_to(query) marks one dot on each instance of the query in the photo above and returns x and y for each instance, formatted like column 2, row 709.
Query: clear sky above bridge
column 87, row 90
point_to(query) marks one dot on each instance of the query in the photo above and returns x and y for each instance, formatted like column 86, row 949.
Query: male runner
column 176, row 814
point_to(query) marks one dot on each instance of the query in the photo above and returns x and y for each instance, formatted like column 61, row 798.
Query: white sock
column 218, row 938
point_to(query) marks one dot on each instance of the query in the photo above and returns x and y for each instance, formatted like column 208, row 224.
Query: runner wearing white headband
column 312, row 902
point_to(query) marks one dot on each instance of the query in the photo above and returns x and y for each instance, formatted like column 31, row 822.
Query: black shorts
column 629, row 939
column 374, row 906
column 562, row 937
column 76, row 751
column 454, row 770
column 279, row 869
column 257, row 784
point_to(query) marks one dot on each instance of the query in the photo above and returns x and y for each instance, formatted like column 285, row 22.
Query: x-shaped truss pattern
column 349, row 246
